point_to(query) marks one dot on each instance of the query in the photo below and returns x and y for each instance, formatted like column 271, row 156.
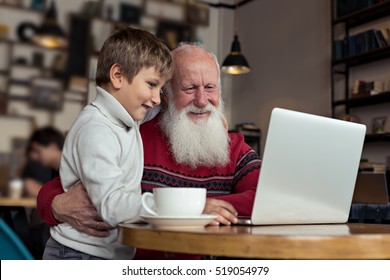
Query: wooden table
column 342, row 241
column 21, row 202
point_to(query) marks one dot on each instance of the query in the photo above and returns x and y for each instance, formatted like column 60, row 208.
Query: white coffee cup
column 177, row 202
column 15, row 188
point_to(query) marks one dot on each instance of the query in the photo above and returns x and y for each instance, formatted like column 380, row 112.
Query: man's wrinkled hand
column 226, row 213
column 75, row 208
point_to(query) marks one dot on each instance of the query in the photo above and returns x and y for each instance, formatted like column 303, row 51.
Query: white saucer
column 178, row 222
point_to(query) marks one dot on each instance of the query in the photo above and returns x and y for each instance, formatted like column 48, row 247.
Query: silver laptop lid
column 309, row 169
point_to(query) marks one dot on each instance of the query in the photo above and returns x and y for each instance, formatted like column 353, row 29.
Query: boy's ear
column 116, row 76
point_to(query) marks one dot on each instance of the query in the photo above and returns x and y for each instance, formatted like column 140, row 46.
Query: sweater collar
column 112, row 109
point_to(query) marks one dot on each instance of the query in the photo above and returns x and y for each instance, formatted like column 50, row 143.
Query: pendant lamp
column 235, row 63
column 50, row 34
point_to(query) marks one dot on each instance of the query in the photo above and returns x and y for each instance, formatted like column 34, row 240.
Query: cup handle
column 145, row 198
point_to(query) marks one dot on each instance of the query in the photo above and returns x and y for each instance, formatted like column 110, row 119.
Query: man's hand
column 225, row 211
column 75, row 208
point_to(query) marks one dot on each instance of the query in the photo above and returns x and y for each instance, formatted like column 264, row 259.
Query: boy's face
column 142, row 94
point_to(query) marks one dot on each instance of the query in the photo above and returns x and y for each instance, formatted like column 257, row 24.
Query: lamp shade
column 50, row 34
column 235, row 63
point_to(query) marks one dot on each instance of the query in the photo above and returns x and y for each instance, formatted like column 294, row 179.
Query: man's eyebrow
column 189, row 85
column 186, row 84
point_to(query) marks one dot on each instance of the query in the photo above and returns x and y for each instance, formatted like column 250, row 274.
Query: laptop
column 309, row 170
column 371, row 188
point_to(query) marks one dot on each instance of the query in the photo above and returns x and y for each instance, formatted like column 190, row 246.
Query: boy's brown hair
column 133, row 49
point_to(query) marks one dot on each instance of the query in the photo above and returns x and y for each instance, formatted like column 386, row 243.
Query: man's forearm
column 45, row 199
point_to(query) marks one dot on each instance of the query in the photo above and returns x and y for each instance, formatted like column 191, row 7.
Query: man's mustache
column 194, row 109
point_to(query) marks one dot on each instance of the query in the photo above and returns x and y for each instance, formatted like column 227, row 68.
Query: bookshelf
column 367, row 57
column 364, row 15
column 356, row 102
column 371, row 50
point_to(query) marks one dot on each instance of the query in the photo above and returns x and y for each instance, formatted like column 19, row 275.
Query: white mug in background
column 177, row 202
column 15, row 188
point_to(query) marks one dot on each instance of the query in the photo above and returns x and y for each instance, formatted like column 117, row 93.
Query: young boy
column 104, row 148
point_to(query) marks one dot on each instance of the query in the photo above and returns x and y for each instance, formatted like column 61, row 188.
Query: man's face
column 194, row 121
column 45, row 155
column 195, row 82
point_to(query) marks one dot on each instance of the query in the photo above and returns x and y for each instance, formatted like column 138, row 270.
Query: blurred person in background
column 46, row 147
column 43, row 156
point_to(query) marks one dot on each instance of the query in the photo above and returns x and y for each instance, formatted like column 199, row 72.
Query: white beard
column 200, row 143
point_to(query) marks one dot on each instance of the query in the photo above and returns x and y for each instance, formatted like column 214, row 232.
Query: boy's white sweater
column 104, row 150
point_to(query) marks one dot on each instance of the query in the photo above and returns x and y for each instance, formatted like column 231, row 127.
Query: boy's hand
column 226, row 213
column 75, row 208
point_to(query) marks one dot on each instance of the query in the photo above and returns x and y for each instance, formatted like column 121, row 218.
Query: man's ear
column 116, row 76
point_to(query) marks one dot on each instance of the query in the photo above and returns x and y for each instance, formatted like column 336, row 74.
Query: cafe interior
column 323, row 57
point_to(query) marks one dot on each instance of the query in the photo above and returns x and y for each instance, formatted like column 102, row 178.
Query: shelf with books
column 371, row 44
column 379, row 137
column 367, row 57
column 360, row 36
column 383, row 97
column 365, row 15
